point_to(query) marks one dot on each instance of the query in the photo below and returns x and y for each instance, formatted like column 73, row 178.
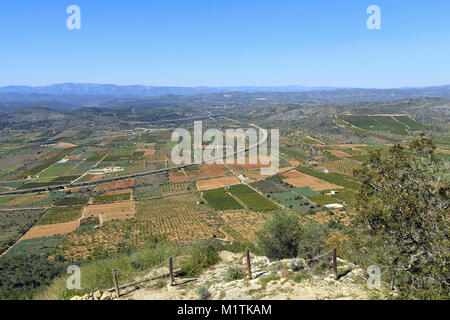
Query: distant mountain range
column 144, row 91
column 71, row 96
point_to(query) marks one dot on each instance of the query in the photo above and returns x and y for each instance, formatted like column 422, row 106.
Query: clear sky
column 226, row 43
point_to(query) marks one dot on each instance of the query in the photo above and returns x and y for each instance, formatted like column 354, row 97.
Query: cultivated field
column 111, row 211
column 298, row 179
column 242, row 225
column 342, row 166
column 220, row 199
column 217, row 183
column 50, row 230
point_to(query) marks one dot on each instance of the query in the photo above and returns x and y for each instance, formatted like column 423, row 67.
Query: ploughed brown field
column 216, row 183
column 339, row 153
column 205, row 171
column 50, row 230
column 115, row 185
column 111, row 211
column 298, row 180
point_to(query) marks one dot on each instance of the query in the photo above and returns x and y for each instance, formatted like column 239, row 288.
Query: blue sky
column 226, row 43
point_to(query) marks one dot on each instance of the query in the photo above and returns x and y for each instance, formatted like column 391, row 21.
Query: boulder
column 106, row 296
column 97, row 295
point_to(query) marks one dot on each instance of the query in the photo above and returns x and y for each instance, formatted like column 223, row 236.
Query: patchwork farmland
column 110, row 194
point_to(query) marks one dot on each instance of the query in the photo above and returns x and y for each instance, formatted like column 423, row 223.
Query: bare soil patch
column 111, row 211
column 114, row 192
column 298, row 179
column 115, row 185
column 216, row 183
column 50, row 230
column 339, row 153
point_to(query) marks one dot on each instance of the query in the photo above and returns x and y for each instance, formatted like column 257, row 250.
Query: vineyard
column 252, row 199
column 60, row 215
column 111, row 198
column 220, row 199
column 241, row 225
column 72, row 201
column 174, row 188
column 344, row 166
column 115, row 185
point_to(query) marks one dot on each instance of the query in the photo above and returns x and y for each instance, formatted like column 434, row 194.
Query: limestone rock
column 105, row 296
column 97, row 295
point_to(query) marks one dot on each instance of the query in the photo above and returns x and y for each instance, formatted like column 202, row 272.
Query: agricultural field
column 174, row 188
column 39, row 246
column 50, row 230
column 302, row 179
column 241, row 225
column 196, row 173
column 124, row 184
column 252, row 199
column 304, row 191
column 60, row 215
column 111, row 211
column 341, row 166
column 220, row 199
column 292, row 201
column 412, row 124
column 13, row 224
column 149, row 186
column 297, row 154
column 71, row 201
column 217, row 183
column 112, row 198
column 398, row 125
column 343, row 196
column 333, row 177
column 181, row 206
column 25, row 201
column 268, row 186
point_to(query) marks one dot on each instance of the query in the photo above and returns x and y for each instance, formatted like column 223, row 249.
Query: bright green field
column 252, row 199
column 219, row 199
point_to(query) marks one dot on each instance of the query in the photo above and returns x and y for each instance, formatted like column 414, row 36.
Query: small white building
column 334, row 206
column 107, row 170
column 333, row 193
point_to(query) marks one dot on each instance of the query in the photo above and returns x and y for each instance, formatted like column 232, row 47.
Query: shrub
column 199, row 256
column 203, row 293
column 296, row 265
column 312, row 240
column 279, row 237
column 235, row 273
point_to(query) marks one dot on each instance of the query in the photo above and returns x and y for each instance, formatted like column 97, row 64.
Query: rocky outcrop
column 284, row 279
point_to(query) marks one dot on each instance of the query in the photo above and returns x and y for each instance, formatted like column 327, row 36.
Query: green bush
column 235, row 273
column 21, row 276
column 199, row 257
column 312, row 241
column 203, row 293
column 279, row 237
